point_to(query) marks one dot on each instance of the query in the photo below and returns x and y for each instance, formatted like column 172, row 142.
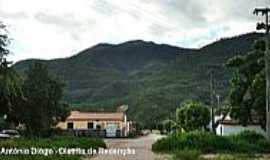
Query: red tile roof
column 93, row 116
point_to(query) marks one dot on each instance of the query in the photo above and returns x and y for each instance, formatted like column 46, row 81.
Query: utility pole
column 212, row 101
column 218, row 104
column 265, row 26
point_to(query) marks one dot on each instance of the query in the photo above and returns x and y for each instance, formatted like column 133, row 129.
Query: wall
column 235, row 129
column 84, row 124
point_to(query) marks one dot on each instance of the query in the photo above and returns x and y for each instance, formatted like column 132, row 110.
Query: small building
column 230, row 126
column 100, row 124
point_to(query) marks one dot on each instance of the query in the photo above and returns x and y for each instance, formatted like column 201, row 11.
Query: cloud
column 53, row 29
column 67, row 20
column 16, row 15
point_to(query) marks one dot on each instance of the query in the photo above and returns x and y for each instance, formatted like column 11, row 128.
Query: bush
column 187, row 155
column 51, row 143
column 246, row 142
column 249, row 136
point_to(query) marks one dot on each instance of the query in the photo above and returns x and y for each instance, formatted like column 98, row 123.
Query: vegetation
column 43, row 107
column 144, row 75
column 169, row 125
column 35, row 102
column 187, row 154
column 247, row 95
column 10, row 82
column 192, row 116
column 238, row 157
column 245, row 142
column 50, row 143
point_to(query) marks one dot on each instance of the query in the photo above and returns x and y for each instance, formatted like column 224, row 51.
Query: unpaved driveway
column 142, row 147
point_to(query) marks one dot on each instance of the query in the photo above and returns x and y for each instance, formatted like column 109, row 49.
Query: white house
column 229, row 126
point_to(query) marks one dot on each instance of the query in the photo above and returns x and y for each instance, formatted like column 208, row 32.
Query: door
column 111, row 130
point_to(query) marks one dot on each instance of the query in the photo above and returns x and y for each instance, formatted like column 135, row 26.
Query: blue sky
column 50, row 29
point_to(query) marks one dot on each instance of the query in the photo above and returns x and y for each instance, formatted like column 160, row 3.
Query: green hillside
column 152, row 79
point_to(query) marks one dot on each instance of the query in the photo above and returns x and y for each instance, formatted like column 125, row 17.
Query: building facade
column 102, row 124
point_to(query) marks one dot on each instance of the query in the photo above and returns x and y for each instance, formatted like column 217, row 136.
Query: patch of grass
column 187, row 154
column 236, row 157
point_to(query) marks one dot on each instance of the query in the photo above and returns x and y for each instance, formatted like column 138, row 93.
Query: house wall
column 83, row 125
column 235, row 129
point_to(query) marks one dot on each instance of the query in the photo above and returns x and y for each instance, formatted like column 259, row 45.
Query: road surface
column 141, row 146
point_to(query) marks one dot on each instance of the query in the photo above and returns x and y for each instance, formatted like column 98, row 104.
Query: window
column 98, row 127
column 90, row 125
column 70, row 125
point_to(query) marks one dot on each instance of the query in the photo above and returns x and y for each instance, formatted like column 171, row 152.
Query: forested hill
column 146, row 76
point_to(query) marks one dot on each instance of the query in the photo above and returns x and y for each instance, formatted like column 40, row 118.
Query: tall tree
column 43, row 107
column 247, row 94
column 10, row 82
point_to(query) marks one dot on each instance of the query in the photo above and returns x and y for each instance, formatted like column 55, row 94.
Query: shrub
column 52, row 143
column 249, row 136
column 246, row 142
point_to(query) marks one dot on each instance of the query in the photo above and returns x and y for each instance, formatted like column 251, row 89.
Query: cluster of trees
column 33, row 101
column 247, row 94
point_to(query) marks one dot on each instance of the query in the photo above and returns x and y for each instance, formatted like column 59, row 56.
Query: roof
column 230, row 121
column 93, row 116
column 236, row 122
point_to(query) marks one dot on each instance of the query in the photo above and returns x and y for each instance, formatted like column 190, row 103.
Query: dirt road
column 141, row 147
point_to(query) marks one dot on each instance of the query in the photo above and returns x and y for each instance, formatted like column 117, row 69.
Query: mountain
column 153, row 79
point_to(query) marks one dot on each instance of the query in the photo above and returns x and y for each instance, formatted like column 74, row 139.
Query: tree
column 247, row 94
column 10, row 82
column 4, row 42
column 192, row 116
column 43, row 107
column 169, row 125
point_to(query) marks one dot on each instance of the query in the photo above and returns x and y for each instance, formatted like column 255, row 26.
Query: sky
column 49, row 29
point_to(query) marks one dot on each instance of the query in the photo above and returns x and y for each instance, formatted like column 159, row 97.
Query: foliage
column 169, row 125
column 51, row 143
column 43, row 107
column 10, row 82
column 187, row 154
column 4, row 42
column 192, row 116
column 247, row 94
column 210, row 143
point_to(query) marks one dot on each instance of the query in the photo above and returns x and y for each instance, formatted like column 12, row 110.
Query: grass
column 53, row 143
column 187, row 154
column 236, row 157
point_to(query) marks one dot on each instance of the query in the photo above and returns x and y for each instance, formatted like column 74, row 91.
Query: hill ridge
column 145, row 75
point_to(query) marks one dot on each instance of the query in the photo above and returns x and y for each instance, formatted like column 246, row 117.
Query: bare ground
column 142, row 147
